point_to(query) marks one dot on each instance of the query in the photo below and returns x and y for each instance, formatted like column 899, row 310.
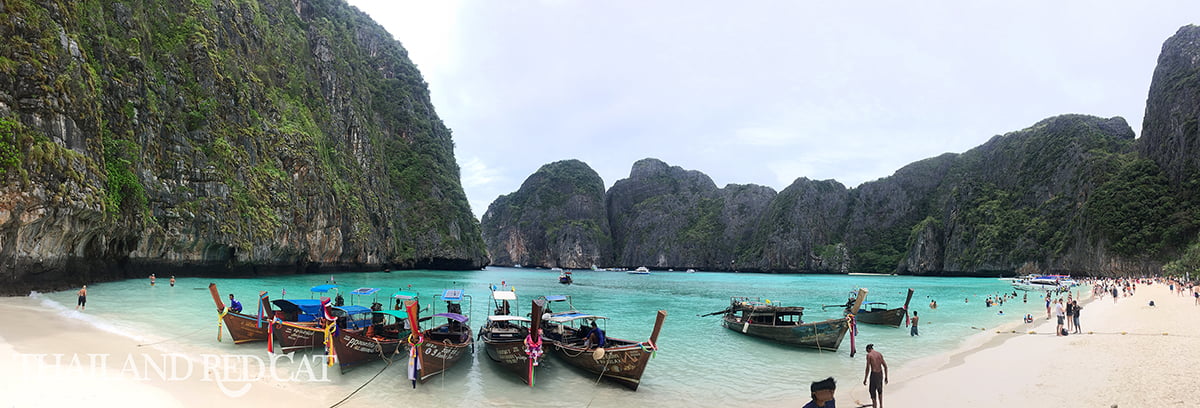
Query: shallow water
column 699, row 362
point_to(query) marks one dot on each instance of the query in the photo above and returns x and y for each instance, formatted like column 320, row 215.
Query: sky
column 765, row 92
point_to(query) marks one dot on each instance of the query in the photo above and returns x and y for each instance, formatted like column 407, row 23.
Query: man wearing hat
column 822, row 394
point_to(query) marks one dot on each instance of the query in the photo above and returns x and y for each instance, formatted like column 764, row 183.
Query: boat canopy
column 354, row 309
column 452, row 295
column 398, row 314
column 556, row 298
column 504, row 295
column 364, row 291
column 507, row 318
column 323, row 288
column 306, row 310
column 571, row 316
column 453, row 316
column 404, row 294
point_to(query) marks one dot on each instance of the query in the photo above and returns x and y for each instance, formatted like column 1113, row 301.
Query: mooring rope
column 173, row 338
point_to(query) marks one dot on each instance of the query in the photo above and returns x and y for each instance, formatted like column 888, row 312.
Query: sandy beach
column 52, row 360
column 1135, row 356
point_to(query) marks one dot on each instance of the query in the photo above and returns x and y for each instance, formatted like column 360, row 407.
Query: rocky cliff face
column 222, row 136
column 556, row 219
column 1019, row 197
column 1171, row 129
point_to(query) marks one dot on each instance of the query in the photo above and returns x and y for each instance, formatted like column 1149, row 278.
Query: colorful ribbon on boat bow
column 853, row 332
column 261, row 310
column 651, row 349
column 533, row 349
column 221, row 321
column 271, row 335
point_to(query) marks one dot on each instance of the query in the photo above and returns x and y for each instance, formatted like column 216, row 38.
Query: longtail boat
column 783, row 324
column 621, row 361
column 878, row 313
column 507, row 339
column 297, row 324
column 243, row 328
column 379, row 337
column 438, row 349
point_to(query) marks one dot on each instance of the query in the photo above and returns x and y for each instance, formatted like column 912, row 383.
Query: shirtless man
column 82, row 299
column 877, row 373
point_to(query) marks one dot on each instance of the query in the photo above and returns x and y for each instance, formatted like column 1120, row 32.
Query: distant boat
column 565, row 278
column 641, row 270
column 1044, row 283
column 516, row 265
column 754, row 317
column 691, row 271
column 879, row 313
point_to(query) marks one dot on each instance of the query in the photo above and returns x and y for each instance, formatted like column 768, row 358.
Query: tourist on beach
column 234, row 305
column 1070, row 312
column 877, row 372
column 1047, row 305
column 82, row 299
column 152, row 279
column 822, row 394
column 1025, row 298
column 933, row 304
column 1114, row 294
column 1075, row 315
column 914, row 325
column 1061, row 314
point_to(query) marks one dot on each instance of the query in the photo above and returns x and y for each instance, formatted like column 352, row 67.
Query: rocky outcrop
column 556, row 219
column 1171, row 129
column 800, row 230
column 219, row 137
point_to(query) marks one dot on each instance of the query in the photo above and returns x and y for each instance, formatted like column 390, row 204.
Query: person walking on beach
column 876, row 372
column 1061, row 314
column 914, row 325
column 1047, row 305
column 82, row 299
column 822, row 394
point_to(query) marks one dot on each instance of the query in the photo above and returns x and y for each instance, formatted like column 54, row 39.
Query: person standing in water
column 152, row 279
column 172, row 281
column 914, row 325
column 82, row 299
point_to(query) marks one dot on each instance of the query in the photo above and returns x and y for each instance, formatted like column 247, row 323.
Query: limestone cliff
column 556, row 219
column 217, row 136
column 1171, row 130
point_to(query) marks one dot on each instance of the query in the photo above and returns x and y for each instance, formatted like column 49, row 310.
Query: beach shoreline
column 55, row 359
column 1118, row 360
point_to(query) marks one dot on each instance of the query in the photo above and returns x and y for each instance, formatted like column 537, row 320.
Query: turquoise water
column 699, row 362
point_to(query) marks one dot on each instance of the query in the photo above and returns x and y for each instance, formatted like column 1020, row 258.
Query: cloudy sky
column 765, row 92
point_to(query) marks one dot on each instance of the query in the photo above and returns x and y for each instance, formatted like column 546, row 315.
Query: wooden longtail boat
column 753, row 317
column 243, row 328
column 882, row 315
column 507, row 339
column 382, row 337
column 379, row 341
column 621, row 361
column 439, row 348
column 298, row 326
